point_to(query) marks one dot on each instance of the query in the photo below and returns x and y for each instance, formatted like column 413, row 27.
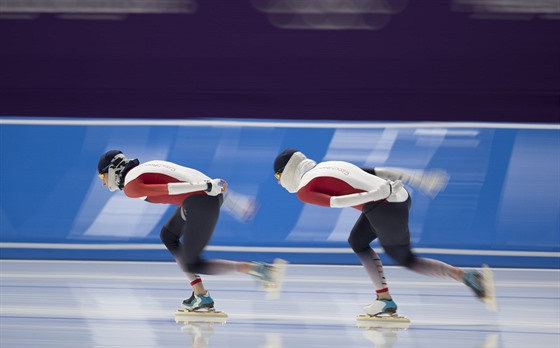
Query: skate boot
column 382, row 311
column 263, row 273
column 197, row 302
column 381, row 307
column 270, row 277
column 474, row 280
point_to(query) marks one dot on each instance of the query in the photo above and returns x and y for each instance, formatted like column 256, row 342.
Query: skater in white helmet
column 199, row 199
column 379, row 194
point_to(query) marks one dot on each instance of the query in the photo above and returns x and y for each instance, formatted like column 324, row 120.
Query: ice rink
column 132, row 304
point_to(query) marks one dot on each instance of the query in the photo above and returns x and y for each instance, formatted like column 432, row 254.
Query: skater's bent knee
column 195, row 267
column 357, row 245
column 401, row 254
column 169, row 239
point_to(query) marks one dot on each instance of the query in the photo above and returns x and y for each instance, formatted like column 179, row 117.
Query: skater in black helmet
column 379, row 194
column 189, row 229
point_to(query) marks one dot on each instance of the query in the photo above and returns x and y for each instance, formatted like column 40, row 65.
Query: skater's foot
column 198, row 301
column 379, row 307
column 263, row 273
column 474, row 280
column 270, row 276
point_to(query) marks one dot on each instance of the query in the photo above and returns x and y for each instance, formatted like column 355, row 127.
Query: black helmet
column 112, row 163
column 106, row 160
column 282, row 159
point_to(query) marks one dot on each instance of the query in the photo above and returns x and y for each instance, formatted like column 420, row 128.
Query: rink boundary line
column 225, row 278
column 268, row 124
column 294, row 250
column 291, row 265
column 97, row 314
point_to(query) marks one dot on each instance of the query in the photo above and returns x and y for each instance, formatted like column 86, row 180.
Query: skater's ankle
column 384, row 299
column 245, row 267
column 199, row 288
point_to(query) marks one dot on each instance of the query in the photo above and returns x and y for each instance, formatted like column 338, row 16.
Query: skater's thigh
column 362, row 234
column 390, row 221
column 175, row 222
column 170, row 233
column 172, row 229
column 202, row 213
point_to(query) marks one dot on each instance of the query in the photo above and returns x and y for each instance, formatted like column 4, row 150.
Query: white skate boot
column 270, row 277
column 382, row 310
column 482, row 284
column 201, row 306
column 198, row 302
column 380, row 307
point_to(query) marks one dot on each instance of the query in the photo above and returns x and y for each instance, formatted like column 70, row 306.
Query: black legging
column 389, row 223
column 194, row 222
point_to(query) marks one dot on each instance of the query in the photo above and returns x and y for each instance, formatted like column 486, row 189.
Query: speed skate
column 382, row 321
column 200, row 315
column 274, row 286
column 490, row 290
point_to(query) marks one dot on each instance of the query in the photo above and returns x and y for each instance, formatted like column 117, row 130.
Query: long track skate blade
column 490, row 289
column 273, row 291
column 386, row 321
column 200, row 314
column 192, row 319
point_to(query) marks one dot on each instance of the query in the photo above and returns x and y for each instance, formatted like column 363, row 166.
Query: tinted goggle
column 103, row 172
column 278, row 174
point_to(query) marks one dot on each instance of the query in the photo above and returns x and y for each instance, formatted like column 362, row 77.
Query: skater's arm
column 382, row 192
column 211, row 187
column 430, row 182
column 407, row 176
column 368, row 170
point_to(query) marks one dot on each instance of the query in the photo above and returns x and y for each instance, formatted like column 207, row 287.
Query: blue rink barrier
column 501, row 206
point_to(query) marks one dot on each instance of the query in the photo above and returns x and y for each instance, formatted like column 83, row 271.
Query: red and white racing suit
column 195, row 218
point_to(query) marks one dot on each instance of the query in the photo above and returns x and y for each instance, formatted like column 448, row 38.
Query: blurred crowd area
column 409, row 60
column 324, row 10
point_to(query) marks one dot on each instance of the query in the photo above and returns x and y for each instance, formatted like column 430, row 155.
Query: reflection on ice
column 66, row 304
column 200, row 331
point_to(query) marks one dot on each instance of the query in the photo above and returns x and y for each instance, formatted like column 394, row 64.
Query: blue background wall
column 502, row 205
column 370, row 60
